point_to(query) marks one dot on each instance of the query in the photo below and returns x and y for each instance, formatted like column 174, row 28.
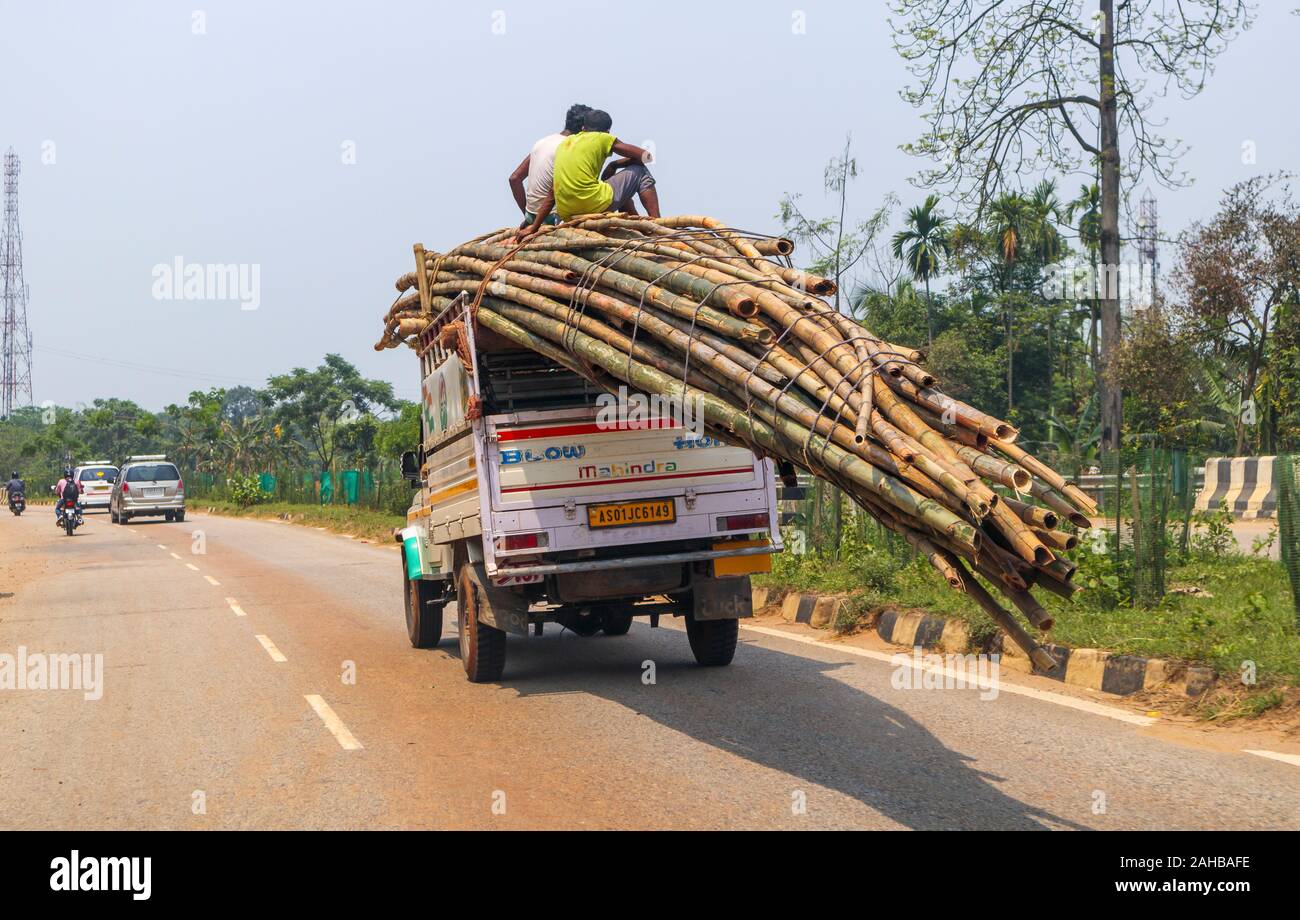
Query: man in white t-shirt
column 538, row 168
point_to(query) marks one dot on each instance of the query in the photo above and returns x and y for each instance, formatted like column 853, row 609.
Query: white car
column 96, row 478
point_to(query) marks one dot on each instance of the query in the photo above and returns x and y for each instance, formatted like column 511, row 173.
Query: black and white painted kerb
column 1246, row 485
column 1090, row 668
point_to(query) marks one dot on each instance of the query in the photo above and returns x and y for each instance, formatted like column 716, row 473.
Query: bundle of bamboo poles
column 687, row 308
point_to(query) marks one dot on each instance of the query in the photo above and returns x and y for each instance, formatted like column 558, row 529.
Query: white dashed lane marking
column 333, row 723
column 271, row 650
column 234, row 606
column 212, row 581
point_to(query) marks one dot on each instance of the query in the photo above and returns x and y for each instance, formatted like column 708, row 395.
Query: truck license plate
column 153, row 493
column 632, row 514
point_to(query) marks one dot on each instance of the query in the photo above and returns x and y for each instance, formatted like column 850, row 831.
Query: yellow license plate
column 632, row 514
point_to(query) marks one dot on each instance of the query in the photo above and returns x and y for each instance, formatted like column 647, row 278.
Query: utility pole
column 16, row 357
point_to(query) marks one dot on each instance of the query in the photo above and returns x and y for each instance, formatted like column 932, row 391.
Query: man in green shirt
column 580, row 186
column 537, row 200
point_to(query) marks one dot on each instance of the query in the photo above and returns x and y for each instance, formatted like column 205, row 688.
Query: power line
column 148, row 368
column 176, row 372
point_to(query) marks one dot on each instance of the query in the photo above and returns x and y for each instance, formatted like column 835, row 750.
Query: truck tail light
column 180, row 486
column 125, row 488
column 517, row 541
column 743, row 522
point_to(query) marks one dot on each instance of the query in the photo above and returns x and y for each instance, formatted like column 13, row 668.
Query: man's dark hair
column 597, row 120
column 573, row 118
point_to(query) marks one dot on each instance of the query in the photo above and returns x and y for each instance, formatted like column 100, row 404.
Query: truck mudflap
column 498, row 607
column 726, row 598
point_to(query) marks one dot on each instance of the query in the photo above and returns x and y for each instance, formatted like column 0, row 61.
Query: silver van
column 147, row 486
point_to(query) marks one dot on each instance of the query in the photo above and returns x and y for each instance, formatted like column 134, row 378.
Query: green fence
column 1288, row 521
column 377, row 488
column 822, row 518
column 1146, row 500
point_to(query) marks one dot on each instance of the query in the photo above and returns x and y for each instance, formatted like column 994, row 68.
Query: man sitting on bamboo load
column 537, row 202
column 579, row 185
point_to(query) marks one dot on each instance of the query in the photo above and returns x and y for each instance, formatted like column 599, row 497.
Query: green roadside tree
column 316, row 405
column 1010, row 89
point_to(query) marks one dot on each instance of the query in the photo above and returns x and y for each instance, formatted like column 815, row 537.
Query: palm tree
column 1088, row 207
column 1076, row 443
column 1044, row 214
column 246, row 443
column 190, row 443
column 1012, row 220
column 920, row 245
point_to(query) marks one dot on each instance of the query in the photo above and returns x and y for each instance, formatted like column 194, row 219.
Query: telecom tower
column 1148, row 235
column 16, row 369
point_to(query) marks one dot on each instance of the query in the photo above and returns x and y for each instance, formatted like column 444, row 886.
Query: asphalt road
column 201, row 726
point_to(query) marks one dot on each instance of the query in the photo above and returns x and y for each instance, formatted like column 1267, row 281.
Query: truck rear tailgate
column 546, row 468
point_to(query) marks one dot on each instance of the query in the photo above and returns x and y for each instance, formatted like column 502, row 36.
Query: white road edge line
column 212, row 581
column 333, row 723
column 1099, row 709
column 1293, row 759
column 271, row 650
column 234, row 605
column 191, row 566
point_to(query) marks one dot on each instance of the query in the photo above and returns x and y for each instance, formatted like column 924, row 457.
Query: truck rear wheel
column 423, row 615
column 482, row 647
column 713, row 642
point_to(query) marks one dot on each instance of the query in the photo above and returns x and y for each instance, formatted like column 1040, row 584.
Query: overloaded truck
column 542, row 499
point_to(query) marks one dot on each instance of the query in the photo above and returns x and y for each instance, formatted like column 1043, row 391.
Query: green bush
column 1213, row 536
column 245, row 491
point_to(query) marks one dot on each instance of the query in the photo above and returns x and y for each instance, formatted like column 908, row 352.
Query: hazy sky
column 150, row 132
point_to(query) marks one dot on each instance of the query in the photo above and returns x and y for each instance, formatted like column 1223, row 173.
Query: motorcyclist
column 14, row 487
column 68, row 492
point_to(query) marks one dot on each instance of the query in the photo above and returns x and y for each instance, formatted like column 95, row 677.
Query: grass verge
column 376, row 526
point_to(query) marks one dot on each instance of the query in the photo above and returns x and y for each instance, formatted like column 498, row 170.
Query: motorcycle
column 17, row 503
column 70, row 519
